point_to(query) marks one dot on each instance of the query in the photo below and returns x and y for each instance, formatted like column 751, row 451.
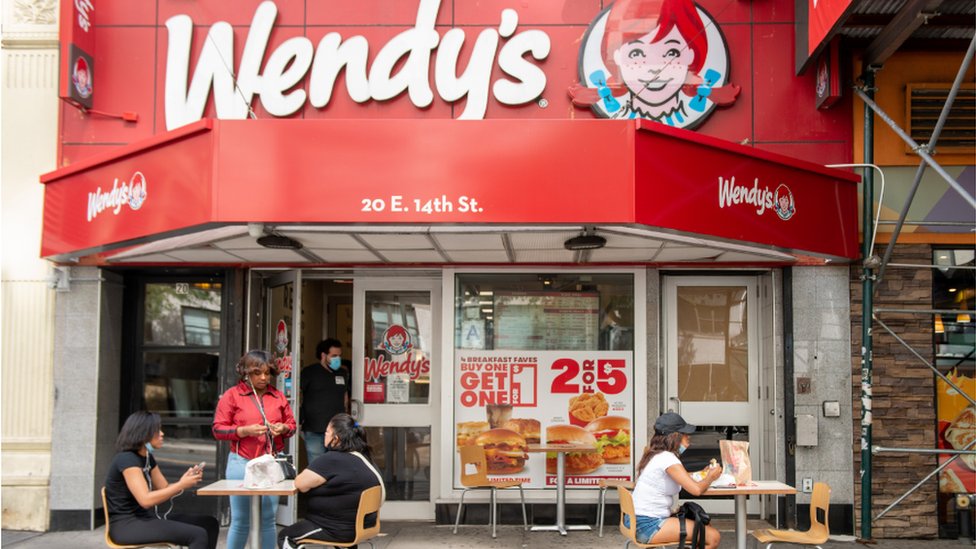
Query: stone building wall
column 903, row 402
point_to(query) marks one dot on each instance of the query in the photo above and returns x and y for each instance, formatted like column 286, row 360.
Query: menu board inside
column 546, row 320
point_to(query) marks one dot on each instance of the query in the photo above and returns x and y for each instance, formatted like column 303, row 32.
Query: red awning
column 440, row 173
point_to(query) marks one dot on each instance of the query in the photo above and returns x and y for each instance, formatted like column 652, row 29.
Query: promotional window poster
column 957, row 431
column 508, row 401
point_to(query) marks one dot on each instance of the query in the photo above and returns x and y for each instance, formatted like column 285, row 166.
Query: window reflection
column 180, row 384
column 182, row 313
column 564, row 311
column 399, row 335
column 713, row 344
column 402, row 454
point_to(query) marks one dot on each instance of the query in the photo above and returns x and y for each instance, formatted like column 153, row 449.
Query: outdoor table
column 756, row 487
column 560, row 451
column 236, row 488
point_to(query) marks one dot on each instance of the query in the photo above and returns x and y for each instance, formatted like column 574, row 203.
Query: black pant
column 193, row 531
column 302, row 530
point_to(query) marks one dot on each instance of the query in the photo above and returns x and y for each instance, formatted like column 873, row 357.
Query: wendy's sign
column 402, row 65
column 77, row 37
column 660, row 60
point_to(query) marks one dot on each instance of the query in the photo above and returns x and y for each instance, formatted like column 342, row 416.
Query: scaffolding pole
column 918, row 149
column 867, row 293
column 866, row 93
column 933, row 139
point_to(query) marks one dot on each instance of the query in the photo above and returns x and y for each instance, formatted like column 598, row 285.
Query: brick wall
column 904, row 392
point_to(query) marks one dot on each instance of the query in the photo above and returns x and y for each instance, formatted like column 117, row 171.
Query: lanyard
column 254, row 395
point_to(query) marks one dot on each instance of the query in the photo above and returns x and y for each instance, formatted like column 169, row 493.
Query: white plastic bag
column 262, row 472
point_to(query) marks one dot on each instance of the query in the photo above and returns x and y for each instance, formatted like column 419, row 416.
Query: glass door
column 712, row 367
column 176, row 352
column 396, row 389
column 280, row 337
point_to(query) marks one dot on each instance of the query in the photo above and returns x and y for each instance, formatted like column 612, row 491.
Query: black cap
column 672, row 423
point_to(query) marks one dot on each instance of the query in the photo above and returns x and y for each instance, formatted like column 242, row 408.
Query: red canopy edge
column 215, row 172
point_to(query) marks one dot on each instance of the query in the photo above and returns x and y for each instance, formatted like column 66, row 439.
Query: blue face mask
column 149, row 447
column 681, row 449
column 335, row 362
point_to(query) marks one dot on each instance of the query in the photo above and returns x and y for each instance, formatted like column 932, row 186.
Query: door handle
column 356, row 409
column 677, row 405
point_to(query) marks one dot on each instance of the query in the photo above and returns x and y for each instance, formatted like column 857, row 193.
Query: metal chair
column 818, row 532
column 478, row 480
column 601, row 505
column 627, row 509
column 113, row 545
column 369, row 502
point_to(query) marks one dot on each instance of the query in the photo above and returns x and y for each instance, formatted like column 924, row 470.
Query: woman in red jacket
column 239, row 420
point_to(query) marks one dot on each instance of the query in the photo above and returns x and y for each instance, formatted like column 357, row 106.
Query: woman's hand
column 278, row 429
column 190, row 478
column 712, row 472
column 255, row 430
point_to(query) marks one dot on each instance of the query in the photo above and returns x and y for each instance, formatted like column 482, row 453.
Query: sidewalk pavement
column 417, row 535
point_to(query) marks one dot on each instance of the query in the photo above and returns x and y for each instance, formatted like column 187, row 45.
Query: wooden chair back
column 627, row 509
column 819, row 504
column 369, row 502
column 473, row 454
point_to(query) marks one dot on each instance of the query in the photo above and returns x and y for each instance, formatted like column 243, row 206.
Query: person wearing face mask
column 140, row 499
column 660, row 476
column 255, row 418
column 324, row 390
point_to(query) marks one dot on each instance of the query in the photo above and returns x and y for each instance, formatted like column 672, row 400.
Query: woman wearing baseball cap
column 660, row 476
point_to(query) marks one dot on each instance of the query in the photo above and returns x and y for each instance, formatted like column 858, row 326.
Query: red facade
column 774, row 111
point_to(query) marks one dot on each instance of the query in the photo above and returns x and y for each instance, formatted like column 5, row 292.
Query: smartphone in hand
column 199, row 467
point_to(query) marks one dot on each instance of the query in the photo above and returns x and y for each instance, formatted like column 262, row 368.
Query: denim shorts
column 646, row 527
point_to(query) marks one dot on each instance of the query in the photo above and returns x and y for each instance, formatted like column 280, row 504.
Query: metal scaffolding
column 874, row 269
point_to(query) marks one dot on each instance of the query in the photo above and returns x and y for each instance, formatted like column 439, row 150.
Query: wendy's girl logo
column 661, row 60
column 783, row 202
column 396, row 340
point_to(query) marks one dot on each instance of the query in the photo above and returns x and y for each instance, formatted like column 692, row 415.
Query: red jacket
column 237, row 407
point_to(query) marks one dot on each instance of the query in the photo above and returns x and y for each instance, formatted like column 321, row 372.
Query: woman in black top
column 135, row 484
column 334, row 481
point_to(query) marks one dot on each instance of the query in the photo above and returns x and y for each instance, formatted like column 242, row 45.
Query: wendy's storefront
column 504, row 212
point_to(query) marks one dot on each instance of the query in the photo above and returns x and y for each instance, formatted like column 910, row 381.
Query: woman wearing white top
column 660, row 476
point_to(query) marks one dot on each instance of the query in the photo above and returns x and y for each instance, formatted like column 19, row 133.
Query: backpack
column 692, row 511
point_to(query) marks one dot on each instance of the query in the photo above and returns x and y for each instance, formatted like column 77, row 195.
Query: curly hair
column 252, row 361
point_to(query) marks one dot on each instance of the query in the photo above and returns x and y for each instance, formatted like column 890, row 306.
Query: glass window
column 954, row 338
column 402, row 454
column 182, row 313
column 399, row 336
column 713, row 344
column 181, row 384
column 180, row 355
column 565, row 311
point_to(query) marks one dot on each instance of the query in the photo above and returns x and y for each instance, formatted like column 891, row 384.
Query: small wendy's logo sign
column 783, row 202
column 396, row 340
column 661, row 60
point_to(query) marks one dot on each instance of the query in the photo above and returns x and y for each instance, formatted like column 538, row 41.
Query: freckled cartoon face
column 655, row 72
column 784, row 202
column 396, row 341
column 82, row 76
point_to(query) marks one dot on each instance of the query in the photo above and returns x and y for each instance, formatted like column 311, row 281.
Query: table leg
column 560, row 525
column 493, row 513
column 254, row 536
column 561, row 492
column 740, row 521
